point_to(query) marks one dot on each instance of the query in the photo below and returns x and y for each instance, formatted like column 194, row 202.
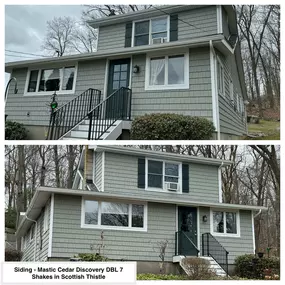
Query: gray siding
column 111, row 37
column 98, row 171
column 201, row 22
column 90, row 74
column 89, row 165
column 231, row 121
column 195, row 101
column 70, row 239
column 42, row 240
column 121, row 172
column 235, row 246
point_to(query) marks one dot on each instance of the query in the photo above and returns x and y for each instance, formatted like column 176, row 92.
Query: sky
column 25, row 28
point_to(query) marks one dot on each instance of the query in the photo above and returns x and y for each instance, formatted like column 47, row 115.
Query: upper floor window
column 49, row 80
column 225, row 223
column 163, row 175
column 151, row 31
column 167, row 72
column 114, row 215
column 220, row 78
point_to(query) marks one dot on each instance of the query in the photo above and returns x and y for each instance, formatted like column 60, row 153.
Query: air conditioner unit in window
column 159, row 40
column 171, row 186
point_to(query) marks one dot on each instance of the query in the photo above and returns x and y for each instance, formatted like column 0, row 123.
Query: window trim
column 219, row 62
column 156, row 189
column 185, row 85
column 150, row 29
column 49, row 93
column 237, row 235
column 104, row 227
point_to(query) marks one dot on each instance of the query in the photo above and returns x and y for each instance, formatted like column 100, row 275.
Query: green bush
column 246, row 268
column 92, row 257
column 13, row 255
column 171, row 127
column 15, row 131
column 151, row 276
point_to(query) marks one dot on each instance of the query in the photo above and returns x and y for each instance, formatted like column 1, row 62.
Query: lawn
column 271, row 130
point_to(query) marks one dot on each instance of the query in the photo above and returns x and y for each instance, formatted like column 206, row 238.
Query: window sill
column 113, row 228
column 48, row 93
column 160, row 190
column 168, row 87
column 226, row 235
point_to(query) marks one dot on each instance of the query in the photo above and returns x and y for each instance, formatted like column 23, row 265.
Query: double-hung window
column 46, row 81
column 147, row 30
column 220, row 78
column 161, row 173
column 225, row 223
column 167, row 72
column 114, row 215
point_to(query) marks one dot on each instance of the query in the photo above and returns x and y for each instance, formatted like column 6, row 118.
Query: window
column 46, row 219
column 167, row 72
column 49, row 80
column 114, row 215
column 146, row 31
column 225, row 223
column 161, row 172
column 220, row 78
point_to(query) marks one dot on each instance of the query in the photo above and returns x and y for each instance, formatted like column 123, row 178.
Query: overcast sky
column 25, row 27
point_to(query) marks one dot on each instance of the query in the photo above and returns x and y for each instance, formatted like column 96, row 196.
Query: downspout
column 256, row 215
column 216, row 98
column 220, row 183
column 84, row 185
column 36, row 231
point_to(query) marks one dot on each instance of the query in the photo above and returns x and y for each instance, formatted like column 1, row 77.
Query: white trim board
column 51, row 225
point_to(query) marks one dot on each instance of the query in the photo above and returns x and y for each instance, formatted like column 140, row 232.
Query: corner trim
column 51, row 225
column 253, row 233
column 220, row 185
column 103, row 172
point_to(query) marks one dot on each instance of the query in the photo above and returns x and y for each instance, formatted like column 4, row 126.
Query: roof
column 42, row 195
column 161, row 155
column 200, row 41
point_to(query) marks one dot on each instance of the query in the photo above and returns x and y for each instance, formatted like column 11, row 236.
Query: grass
column 269, row 128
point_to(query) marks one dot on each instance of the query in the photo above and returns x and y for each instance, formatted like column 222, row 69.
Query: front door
column 187, row 228
column 119, row 76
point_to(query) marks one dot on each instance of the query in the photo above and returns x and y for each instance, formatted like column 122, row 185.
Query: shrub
column 197, row 268
column 13, row 255
column 151, row 276
column 262, row 267
column 15, row 131
column 92, row 257
column 171, row 127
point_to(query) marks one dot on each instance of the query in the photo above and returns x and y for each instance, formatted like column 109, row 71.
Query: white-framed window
column 167, row 72
column 225, row 223
column 32, row 233
column 151, row 31
column 163, row 175
column 47, row 81
column 46, row 218
column 114, row 215
column 220, row 77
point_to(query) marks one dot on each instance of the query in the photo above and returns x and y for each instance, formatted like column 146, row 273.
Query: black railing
column 211, row 247
column 189, row 244
column 65, row 118
column 116, row 107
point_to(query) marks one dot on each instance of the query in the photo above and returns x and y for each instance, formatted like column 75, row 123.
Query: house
column 183, row 59
column 126, row 201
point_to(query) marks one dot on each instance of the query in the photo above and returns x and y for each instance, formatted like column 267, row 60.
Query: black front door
column 187, row 228
column 119, row 76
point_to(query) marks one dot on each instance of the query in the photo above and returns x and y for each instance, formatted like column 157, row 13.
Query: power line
column 190, row 25
column 14, row 51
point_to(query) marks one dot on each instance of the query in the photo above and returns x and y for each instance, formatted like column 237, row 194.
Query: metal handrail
column 65, row 118
column 115, row 107
column 177, row 249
